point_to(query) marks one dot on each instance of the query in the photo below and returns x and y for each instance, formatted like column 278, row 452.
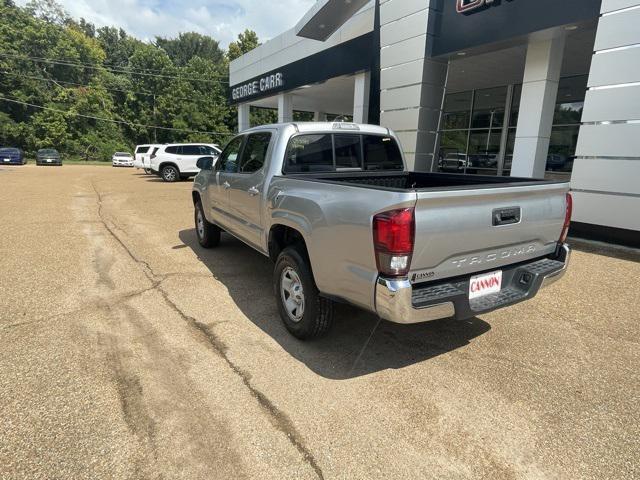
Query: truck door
column 219, row 183
column 247, row 187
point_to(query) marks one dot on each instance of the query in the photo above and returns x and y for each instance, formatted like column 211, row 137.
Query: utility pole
column 155, row 121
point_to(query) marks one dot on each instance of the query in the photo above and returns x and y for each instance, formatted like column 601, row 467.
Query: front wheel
column 208, row 233
column 304, row 312
column 170, row 173
column 147, row 171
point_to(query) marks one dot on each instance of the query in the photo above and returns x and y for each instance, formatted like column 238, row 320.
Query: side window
column 142, row 149
column 228, row 161
column 255, row 152
column 173, row 149
column 309, row 153
column 191, row 150
column 348, row 151
column 210, row 150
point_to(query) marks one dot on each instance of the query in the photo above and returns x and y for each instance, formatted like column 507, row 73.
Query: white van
column 178, row 160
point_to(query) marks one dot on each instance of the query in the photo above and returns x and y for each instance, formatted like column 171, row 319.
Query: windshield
column 47, row 151
column 9, row 150
column 122, row 154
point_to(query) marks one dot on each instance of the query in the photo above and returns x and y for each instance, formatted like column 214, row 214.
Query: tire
column 208, row 234
column 147, row 171
column 309, row 315
column 169, row 173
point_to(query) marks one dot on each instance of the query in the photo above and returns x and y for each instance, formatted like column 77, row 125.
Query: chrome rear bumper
column 397, row 300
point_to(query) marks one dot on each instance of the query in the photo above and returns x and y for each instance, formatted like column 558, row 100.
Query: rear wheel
column 170, row 173
column 304, row 312
column 208, row 234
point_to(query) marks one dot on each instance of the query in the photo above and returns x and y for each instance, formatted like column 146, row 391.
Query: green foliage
column 105, row 73
column 190, row 45
column 247, row 41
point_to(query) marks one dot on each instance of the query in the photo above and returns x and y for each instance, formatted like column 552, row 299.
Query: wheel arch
column 168, row 163
column 282, row 236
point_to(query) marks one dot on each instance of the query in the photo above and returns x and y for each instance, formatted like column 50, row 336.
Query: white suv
column 146, row 156
column 138, row 153
column 178, row 160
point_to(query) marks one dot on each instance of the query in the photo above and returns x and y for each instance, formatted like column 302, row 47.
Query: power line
column 116, row 69
column 121, row 122
column 56, row 81
column 112, row 70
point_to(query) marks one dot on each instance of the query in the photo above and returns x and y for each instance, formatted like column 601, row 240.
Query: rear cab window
column 335, row 152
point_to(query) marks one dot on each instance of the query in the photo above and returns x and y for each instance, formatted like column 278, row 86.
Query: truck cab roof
column 328, row 127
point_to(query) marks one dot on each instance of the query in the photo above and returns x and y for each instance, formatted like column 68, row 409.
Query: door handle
column 226, row 185
column 506, row 216
column 253, row 191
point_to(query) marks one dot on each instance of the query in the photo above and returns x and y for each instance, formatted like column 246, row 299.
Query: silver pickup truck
column 335, row 209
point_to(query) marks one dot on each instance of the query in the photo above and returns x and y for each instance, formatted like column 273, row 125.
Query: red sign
column 465, row 6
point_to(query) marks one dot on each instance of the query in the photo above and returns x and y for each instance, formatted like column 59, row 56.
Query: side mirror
column 205, row 163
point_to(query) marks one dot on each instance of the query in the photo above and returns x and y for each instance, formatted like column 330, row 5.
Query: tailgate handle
column 506, row 216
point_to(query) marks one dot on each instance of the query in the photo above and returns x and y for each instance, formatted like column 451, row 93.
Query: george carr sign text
column 255, row 87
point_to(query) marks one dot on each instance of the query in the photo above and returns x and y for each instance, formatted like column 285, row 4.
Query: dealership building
column 528, row 88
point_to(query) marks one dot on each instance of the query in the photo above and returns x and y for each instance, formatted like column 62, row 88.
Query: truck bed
column 407, row 181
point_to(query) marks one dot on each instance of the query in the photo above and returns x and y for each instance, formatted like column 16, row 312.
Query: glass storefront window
column 562, row 148
column 488, row 108
column 457, row 110
column 571, row 93
column 515, row 105
column 471, row 137
column 484, row 149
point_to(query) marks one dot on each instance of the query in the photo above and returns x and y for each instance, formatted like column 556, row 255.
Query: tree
column 189, row 45
column 246, row 42
column 48, row 10
column 103, row 90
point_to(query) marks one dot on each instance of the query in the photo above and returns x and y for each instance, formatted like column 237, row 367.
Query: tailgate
column 459, row 232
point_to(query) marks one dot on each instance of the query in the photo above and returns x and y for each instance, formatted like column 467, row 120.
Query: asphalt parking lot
column 129, row 352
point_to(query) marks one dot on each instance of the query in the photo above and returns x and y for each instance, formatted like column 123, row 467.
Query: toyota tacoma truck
column 335, row 208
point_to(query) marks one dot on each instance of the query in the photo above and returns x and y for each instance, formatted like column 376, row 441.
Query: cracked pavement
column 129, row 352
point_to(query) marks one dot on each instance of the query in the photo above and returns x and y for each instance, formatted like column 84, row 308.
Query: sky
column 221, row 19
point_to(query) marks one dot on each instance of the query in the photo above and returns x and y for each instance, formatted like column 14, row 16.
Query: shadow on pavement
column 248, row 278
column 605, row 249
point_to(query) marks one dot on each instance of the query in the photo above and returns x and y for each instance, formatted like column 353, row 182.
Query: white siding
column 411, row 84
column 287, row 47
column 606, row 173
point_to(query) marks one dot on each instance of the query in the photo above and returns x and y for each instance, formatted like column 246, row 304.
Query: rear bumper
column 397, row 300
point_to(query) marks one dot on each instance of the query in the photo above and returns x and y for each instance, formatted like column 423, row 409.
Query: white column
column 411, row 82
column 285, row 108
column 319, row 116
column 244, row 111
column 537, row 106
column 361, row 97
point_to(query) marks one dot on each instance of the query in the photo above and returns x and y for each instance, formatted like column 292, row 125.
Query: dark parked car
column 556, row 161
column 48, row 156
column 12, row 156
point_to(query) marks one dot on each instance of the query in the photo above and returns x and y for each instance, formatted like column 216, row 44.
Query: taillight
column 393, row 238
column 567, row 219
